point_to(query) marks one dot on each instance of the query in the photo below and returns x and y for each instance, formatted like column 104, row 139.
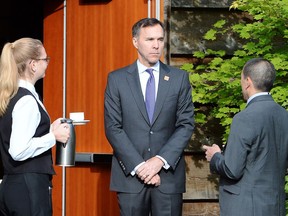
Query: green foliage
column 263, row 33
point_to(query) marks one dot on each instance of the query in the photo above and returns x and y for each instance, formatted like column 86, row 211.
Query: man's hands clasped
column 148, row 172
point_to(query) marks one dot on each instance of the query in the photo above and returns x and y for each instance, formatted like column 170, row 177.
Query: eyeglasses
column 47, row 59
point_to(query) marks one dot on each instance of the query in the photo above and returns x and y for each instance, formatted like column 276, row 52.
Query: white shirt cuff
column 135, row 169
column 166, row 165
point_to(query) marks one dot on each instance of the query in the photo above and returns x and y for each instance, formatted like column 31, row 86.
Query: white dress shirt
column 256, row 95
column 25, row 120
column 144, row 76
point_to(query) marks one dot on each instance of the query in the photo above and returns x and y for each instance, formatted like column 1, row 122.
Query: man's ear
column 248, row 82
column 135, row 42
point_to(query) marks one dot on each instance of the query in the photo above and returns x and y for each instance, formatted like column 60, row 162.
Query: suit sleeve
column 232, row 162
column 172, row 151
column 124, row 151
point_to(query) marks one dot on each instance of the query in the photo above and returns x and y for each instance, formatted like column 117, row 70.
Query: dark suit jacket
column 253, row 167
column 135, row 140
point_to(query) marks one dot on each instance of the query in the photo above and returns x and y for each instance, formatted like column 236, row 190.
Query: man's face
column 150, row 44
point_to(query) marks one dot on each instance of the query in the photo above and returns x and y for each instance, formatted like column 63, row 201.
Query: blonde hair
column 13, row 61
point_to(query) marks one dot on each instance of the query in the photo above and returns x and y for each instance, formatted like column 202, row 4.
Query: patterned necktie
column 150, row 94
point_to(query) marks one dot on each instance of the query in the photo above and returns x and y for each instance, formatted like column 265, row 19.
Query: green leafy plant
column 263, row 33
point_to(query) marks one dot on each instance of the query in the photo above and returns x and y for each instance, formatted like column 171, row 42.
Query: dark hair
column 145, row 23
column 261, row 72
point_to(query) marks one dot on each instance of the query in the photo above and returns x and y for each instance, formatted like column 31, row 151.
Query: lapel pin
column 166, row 78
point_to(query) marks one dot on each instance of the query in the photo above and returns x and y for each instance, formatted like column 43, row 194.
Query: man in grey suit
column 253, row 165
column 148, row 169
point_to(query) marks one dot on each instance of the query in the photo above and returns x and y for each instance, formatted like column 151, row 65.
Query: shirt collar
column 27, row 85
column 142, row 68
column 256, row 95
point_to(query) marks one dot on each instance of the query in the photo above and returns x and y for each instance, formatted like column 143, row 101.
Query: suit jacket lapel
column 163, row 88
column 135, row 86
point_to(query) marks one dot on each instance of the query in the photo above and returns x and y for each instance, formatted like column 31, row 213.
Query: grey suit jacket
column 253, row 167
column 135, row 140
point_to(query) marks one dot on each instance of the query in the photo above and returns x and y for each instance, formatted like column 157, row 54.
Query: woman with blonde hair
column 26, row 135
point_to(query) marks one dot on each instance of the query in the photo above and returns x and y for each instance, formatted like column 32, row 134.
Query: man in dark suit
column 148, row 169
column 253, row 165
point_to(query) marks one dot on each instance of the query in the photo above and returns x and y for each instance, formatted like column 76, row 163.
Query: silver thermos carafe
column 65, row 152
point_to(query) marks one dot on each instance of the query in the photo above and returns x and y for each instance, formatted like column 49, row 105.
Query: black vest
column 40, row 164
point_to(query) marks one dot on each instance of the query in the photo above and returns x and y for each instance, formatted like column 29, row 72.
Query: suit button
column 149, row 149
column 151, row 132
